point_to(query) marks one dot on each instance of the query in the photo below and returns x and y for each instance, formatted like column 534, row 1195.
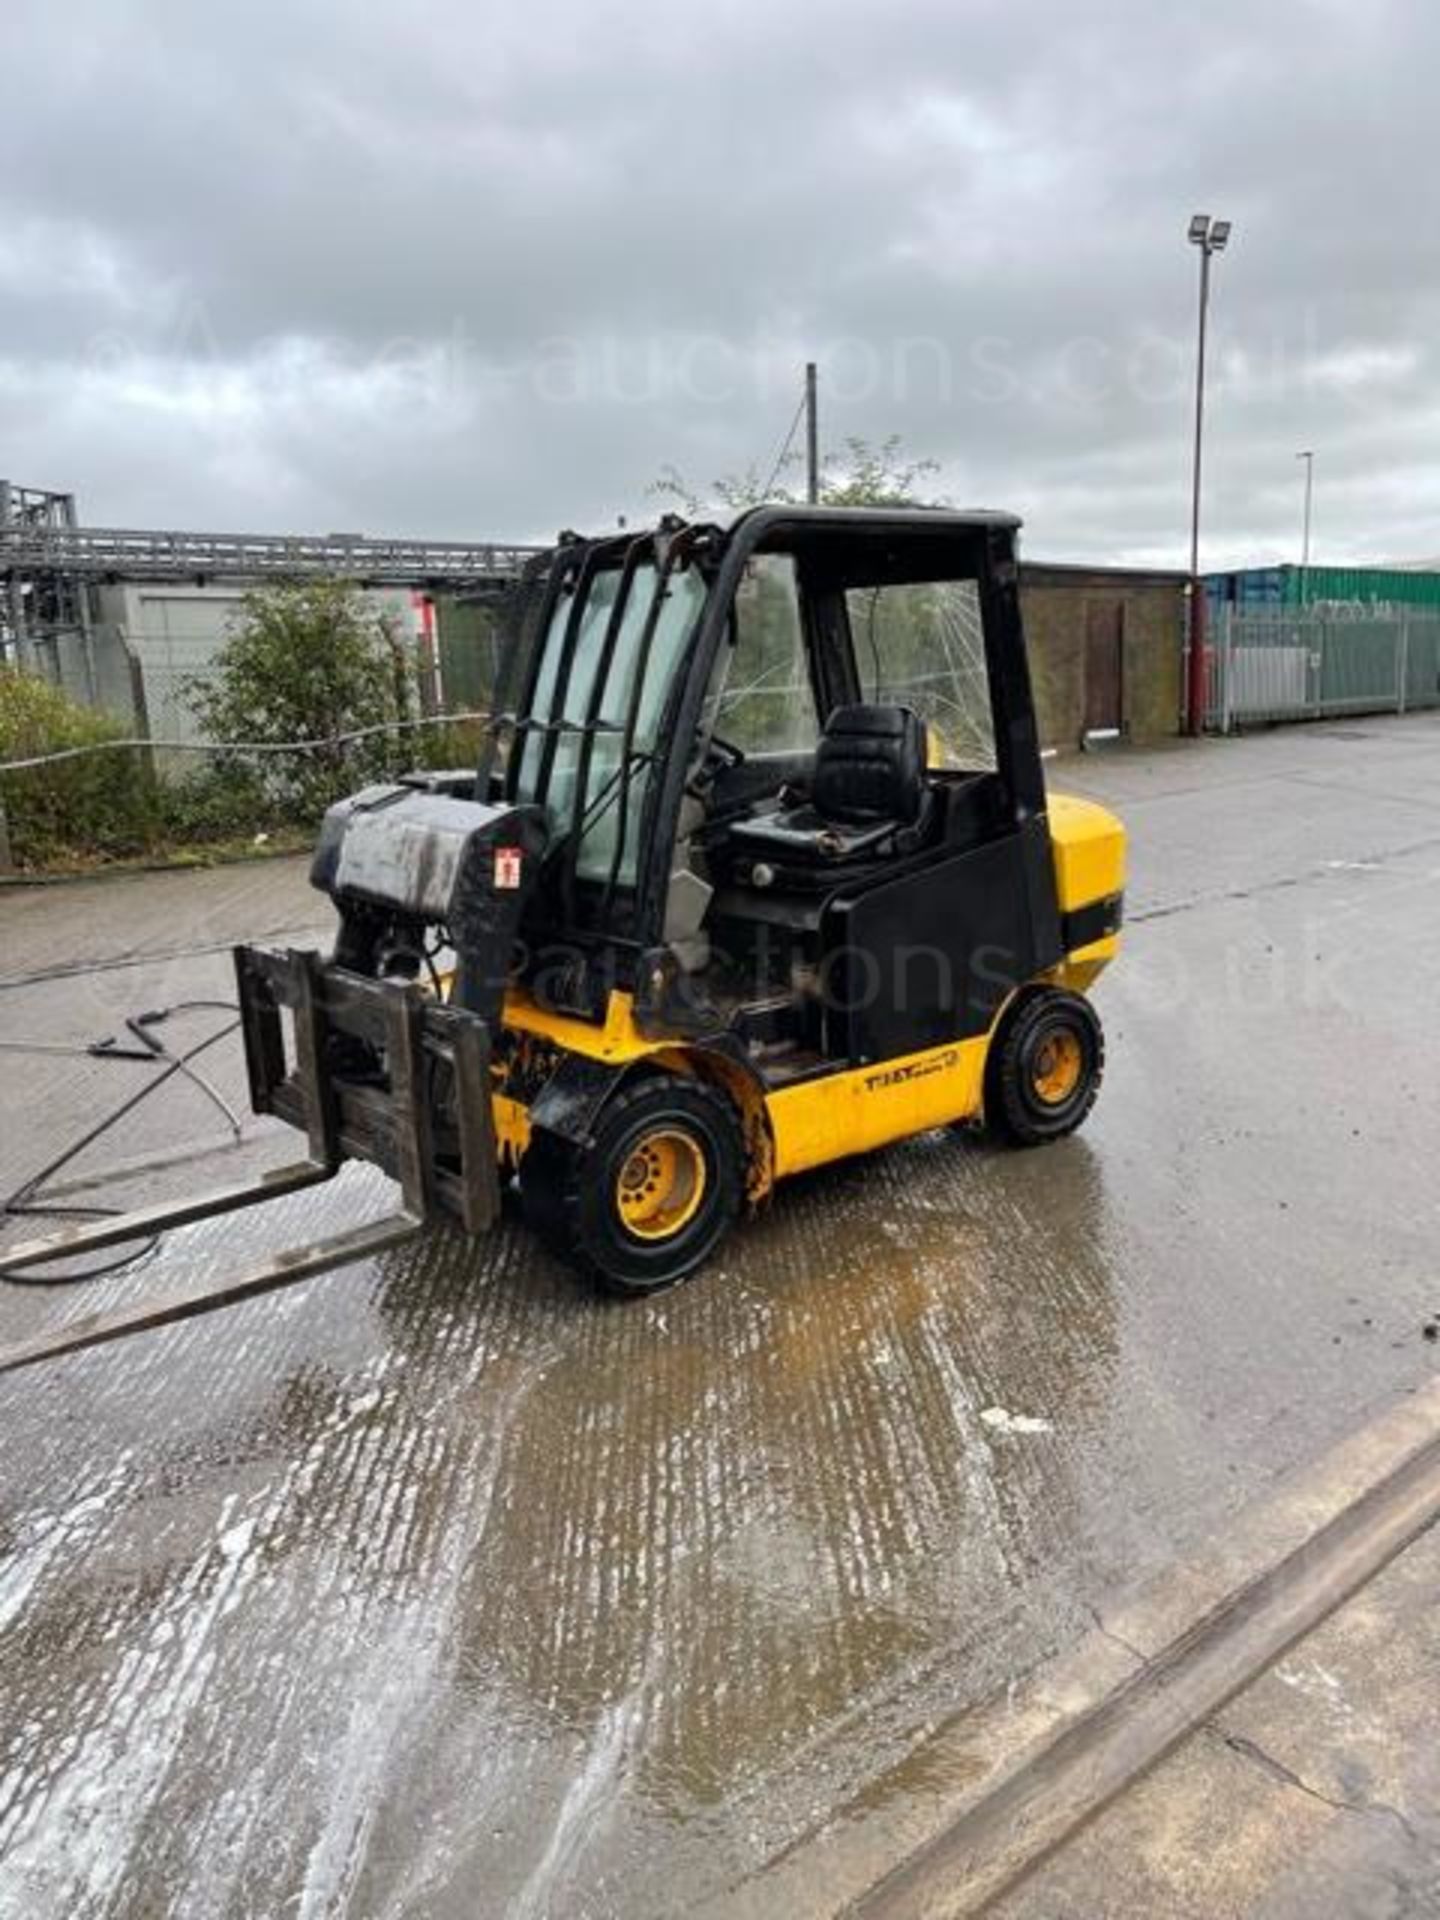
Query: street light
column 1210, row 236
column 1309, row 458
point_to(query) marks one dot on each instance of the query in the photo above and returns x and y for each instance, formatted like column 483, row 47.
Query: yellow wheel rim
column 659, row 1188
column 1059, row 1063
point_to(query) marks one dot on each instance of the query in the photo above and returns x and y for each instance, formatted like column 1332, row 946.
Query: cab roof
column 910, row 519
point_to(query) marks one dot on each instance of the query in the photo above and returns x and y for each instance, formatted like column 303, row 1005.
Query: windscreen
column 625, row 631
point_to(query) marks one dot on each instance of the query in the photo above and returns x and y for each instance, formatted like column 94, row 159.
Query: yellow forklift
column 757, row 870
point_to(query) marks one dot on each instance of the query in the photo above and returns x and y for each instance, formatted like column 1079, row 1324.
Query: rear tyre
column 1045, row 1069
column 650, row 1198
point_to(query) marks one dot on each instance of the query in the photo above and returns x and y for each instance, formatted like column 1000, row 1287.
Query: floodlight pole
column 1209, row 236
column 1309, row 458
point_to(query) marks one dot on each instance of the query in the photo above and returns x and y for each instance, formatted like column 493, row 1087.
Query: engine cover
column 397, row 852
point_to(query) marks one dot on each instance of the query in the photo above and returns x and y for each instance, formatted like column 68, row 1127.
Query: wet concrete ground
column 440, row 1587
column 1322, row 1779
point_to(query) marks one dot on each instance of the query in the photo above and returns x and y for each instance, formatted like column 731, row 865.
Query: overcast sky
column 450, row 270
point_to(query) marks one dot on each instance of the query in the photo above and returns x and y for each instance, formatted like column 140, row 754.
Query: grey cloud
column 452, row 272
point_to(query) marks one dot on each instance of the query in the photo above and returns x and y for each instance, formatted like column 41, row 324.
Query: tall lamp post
column 1309, row 458
column 1210, row 236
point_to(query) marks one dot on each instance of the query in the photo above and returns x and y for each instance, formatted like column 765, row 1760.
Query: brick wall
column 1057, row 603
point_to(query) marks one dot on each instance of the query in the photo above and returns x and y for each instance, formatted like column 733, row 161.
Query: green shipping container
column 1370, row 586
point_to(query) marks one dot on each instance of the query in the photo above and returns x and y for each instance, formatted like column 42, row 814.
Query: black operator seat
column 868, row 800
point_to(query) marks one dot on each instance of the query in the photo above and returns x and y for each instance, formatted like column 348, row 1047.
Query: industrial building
column 1106, row 647
column 123, row 619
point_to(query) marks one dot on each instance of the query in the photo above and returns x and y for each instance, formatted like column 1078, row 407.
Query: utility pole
column 812, row 436
column 1309, row 458
column 1210, row 236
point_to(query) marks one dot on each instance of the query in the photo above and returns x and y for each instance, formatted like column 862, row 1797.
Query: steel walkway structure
column 117, row 553
column 50, row 564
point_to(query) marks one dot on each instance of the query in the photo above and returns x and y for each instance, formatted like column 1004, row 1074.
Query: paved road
column 441, row 1588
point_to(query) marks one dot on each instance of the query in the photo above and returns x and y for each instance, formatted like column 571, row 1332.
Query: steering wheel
column 720, row 754
column 727, row 750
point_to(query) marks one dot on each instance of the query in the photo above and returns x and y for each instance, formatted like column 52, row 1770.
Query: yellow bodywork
column 1089, row 851
column 1089, row 847
column 512, row 1127
column 787, row 1130
column 835, row 1114
column 863, row 1107
column 616, row 1041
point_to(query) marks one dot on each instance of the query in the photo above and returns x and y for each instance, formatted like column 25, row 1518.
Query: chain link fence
column 1310, row 663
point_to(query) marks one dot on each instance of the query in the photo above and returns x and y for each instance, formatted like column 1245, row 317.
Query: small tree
column 866, row 475
column 863, row 474
column 309, row 661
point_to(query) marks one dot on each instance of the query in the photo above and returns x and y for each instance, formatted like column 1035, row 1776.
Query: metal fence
column 1311, row 662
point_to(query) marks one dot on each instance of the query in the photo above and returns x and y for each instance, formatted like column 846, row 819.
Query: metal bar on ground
column 67, row 1242
column 1009, row 1830
column 165, row 1309
column 982, row 1799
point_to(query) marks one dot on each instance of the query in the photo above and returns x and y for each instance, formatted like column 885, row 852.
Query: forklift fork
column 391, row 1124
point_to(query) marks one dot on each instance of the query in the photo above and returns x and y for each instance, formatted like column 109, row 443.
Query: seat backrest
column 870, row 765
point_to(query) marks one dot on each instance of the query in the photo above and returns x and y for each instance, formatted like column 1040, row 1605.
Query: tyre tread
column 555, row 1173
column 1006, row 1111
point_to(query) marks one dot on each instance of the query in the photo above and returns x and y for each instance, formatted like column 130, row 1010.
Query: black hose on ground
column 24, row 1202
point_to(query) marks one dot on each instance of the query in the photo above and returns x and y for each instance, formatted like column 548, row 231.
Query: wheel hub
column 1058, row 1065
column 660, row 1184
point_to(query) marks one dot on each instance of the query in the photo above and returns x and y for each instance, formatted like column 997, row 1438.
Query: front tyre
column 1045, row 1068
column 650, row 1198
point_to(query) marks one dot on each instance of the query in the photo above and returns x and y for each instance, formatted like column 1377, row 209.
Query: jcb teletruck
column 757, row 870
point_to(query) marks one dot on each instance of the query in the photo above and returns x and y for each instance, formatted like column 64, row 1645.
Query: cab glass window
column 609, row 799
column 762, row 700
column 923, row 646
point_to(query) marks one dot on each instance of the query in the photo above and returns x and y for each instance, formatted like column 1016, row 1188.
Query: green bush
column 98, row 803
column 303, row 662
column 307, row 662
column 219, row 800
column 447, row 744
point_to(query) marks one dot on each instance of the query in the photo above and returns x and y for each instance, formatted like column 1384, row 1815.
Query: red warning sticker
column 507, row 868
